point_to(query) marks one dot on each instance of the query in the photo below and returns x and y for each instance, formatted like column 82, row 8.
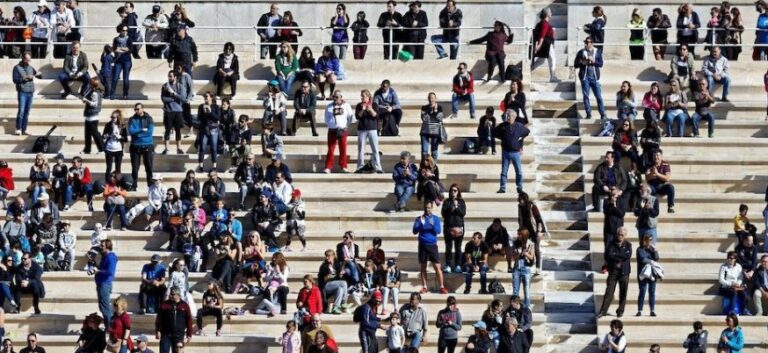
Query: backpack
column 513, row 71
column 470, row 146
column 357, row 316
column 43, row 143
column 389, row 126
column 496, row 287
column 367, row 168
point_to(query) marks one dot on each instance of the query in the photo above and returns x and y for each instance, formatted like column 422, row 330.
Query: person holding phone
column 338, row 116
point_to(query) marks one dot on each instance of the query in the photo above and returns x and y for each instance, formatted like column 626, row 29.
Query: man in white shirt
column 282, row 190
column 338, row 116
column 715, row 68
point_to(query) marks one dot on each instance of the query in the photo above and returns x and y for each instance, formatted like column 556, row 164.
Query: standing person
column 182, row 51
column 119, row 328
column 173, row 95
column 696, row 342
column 453, row 212
column 209, row 116
column 141, row 127
column 463, row 89
column 131, row 21
column 732, row 337
column 23, row 77
column 647, row 213
column 589, row 61
column 185, row 79
column 338, row 116
column 268, row 35
column 290, row 340
column 360, row 36
column 761, row 52
column 114, row 137
column 511, row 133
column 524, row 254
column 339, row 36
column 544, row 43
column 389, row 22
column 450, row 18
column 658, row 23
column 414, row 319
column 395, row 334
column 369, row 323
column 290, row 32
column 636, row 36
column 92, row 98
column 42, row 24
column 366, row 113
column 173, row 324
column 416, row 21
column 104, row 276
column 617, row 254
column 687, row 26
column 596, row 29
column 75, row 69
column 646, row 256
column 155, row 29
column 122, row 45
column 431, row 125
column 494, row 48
column 427, row 227
column 449, row 323
column 614, row 341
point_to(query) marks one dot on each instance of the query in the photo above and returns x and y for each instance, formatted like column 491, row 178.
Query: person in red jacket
column 463, row 89
column 78, row 184
column 310, row 300
column 6, row 181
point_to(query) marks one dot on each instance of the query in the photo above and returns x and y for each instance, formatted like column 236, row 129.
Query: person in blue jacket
column 369, row 323
column 327, row 70
column 405, row 175
column 141, row 127
column 427, row 227
column 732, row 338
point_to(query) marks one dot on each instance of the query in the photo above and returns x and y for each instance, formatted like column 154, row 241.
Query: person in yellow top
column 741, row 222
column 636, row 36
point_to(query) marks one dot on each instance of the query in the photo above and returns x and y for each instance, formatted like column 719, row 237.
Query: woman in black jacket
column 453, row 212
column 306, row 66
column 431, row 125
column 494, row 48
column 210, row 117
column 92, row 98
column 115, row 135
column 227, row 70
column 515, row 100
column 92, row 339
column 530, row 218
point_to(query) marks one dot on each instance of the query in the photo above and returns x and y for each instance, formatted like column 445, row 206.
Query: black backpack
column 43, row 143
column 357, row 315
column 514, row 71
column 496, row 287
column 470, row 145
column 389, row 126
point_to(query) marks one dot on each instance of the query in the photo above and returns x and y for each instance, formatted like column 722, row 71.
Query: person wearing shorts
column 427, row 227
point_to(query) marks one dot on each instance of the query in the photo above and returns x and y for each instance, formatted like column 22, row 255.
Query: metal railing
column 257, row 43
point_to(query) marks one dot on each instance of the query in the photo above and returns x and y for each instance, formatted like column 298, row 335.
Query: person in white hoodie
column 275, row 107
column 41, row 23
column 338, row 117
column 67, row 243
column 732, row 289
column 282, row 190
column 155, row 197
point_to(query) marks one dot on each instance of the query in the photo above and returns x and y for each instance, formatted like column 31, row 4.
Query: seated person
column 239, row 142
column 281, row 193
column 732, row 286
column 761, row 285
column 741, row 225
column 75, row 69
column 189, row 189
column 78, row 184
column 746, row 256
column 389, row 106
column 275, row 108
column 376, row 254
column 171, row 216
column 429, row 188
column 658, row 176
column 650, row 142
column 327, row 70
column 609, row 178
column 46, row 236
column 27, row 279
column 67, row 246
column 682, row 67
column 265, row 218
column 213, row 190
column 152, row 287
column 219, row 218
column 114, row 201
column 59, row 180
column 295, row 225
column 485, row 132
column 497, row 239
column 522, row 314
column 271, row 144
column 227, row 70
column 305, row 105
column 332, row 283
column 715, row 70
column 476, row 260
column 277, row 166
column 625, row 143
column 156, row 195
column 348, row 253
column 249, row 176
column 704, row 101
column 463, row 89
column 675, row 109
column 405, row 175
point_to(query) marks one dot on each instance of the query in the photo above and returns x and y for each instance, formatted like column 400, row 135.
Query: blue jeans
column 429, row 142
column 631, row 154
column 403, row 194
column 725, row 80
column 25, row 105
column 351, row 266
column 651, row 286
column 5, row 293
column 439, row 39
column 286, row 83
column 624, row 115
column 64, row 80
column 592, row 84
column 468, row 276
column 652, row 231
column 495, row 338
column 710, row 123
column 680, row 116
column 664, row 189
column 82, row 188
column 103, row 291
column 111, row 209
column 37, row 190
column 522, row 274
column 455, row 98
column 213, row 137
column 416, row 339
column 125, row 68
column 168, row 343
column 515, row 158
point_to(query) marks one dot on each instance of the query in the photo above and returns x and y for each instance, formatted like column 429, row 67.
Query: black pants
column 529, row 335
column 308, row 116
column 39, row 51
column 216, row 312
column 187, row 113
column 222, row 79
column 282, row 297
column 172, row 121
column 146, row 292
column 224, row 272
column 92, row 133
column 18, row 290
column 416, row 50
column 623, row 281
column 453, row 251
column 493, row 61
column 268, row 234
column 448, row 344
column 390, row 55
column 137, row 153
column 115, row 158
column 155, row 51
column 636, row 52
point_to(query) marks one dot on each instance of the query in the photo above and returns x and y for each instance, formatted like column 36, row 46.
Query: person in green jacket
column 286, row 65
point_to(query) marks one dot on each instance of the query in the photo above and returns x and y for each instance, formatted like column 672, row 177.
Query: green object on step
column 404, row 56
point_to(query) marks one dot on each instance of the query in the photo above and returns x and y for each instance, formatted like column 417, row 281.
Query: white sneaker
column 327, row 171
column 18, row 133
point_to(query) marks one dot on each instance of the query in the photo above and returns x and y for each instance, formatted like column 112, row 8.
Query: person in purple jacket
column 427, row 226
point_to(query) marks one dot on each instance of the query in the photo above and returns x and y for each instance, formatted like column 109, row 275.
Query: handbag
column 116, row 200
column 443, row 135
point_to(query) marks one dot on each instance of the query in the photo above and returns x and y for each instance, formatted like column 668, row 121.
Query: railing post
column 646, row 33
column 256, row 51
column 391, row 54
column 322, row 42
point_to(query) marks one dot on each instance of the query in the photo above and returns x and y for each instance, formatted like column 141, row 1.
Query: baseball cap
column 155, row 258
column 391, row 262
column 142, row 338
column 481, row 325
column 155, row 10
column 266, row 193
column 377, row 295
column 296, row 193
